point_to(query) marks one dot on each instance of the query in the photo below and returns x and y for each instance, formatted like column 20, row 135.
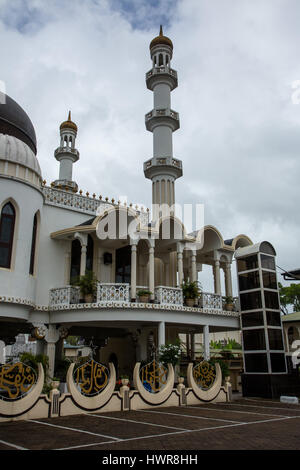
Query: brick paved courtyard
column 246, row 424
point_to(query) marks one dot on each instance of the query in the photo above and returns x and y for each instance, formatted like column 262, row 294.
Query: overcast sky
column 237, row 63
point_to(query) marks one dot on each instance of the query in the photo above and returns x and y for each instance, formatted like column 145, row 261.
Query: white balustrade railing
column 64, row 296
column 110, row 292
column 211, row 301
column 120, row 292
column 168, row 295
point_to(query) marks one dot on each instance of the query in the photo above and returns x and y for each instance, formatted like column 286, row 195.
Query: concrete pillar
column 133, row 272
column 228, row 279
column 161, row 334
column 151, row 272
column 193, row 267
column 180, row 264
column 206, row 347
column 217, row 277
column 83, row 260
column 50, row 352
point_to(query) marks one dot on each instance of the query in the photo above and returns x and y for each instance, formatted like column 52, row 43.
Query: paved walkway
column 254, row 424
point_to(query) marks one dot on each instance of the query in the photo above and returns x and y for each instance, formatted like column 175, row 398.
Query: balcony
column 165, row 116
column 118, row 295
column 165, row 73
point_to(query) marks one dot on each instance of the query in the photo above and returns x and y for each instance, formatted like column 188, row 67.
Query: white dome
column 16, row 151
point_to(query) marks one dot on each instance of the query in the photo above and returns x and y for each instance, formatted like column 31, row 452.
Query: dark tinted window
column 252, row 319
column 267, row 262
column 273, row 319
column 256, row 362
column 251, row 301
column 271, row 300
column 278, row 362
column 254, row 339
column 275, row 339
column 249, row 281
column 269, row 280
column 7, row 226
column 250, row 262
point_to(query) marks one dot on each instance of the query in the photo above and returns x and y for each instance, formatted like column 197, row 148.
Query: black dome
column 14, row 121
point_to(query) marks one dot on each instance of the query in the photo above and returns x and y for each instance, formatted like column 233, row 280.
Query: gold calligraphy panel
column 91, row 378
column 204, row 374
column 16, row 380
column 153, row 376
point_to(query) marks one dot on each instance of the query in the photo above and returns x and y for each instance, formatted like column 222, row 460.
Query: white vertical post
column 161, row 334
column 194, row 267
column 83, row 260
column 133, row 272
column 217, row 277
column 151, row 272
column 228, row 279
column 206, row 349
column 180, row 263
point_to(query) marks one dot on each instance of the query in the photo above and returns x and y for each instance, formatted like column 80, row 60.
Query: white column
column 180, row 264
column 151, row 272
column 193, row 267
column 217, row 277
column 83, row 260
column 228, row 279
column 161, row 334
column 206, row 348
column 133, row 272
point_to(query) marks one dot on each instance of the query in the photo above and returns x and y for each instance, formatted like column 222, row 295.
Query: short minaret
column 66, row 154
column 163, row 169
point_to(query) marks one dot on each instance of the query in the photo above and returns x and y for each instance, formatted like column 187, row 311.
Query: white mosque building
column 51, row 234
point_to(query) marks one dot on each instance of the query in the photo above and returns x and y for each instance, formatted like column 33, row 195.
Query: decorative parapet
column 157, row 116
column 64, row 296
column 111, row 292
column 113, row 304
column 168, row 295
column 211, row 301
column 163, row 73
column 86, row 204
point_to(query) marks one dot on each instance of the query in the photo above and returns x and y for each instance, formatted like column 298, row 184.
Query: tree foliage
column 289, row 296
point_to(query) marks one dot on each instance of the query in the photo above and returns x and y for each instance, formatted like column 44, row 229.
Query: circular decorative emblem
column 39, row 332
column 91, row 378
column 153, row 376
column 204, row 374
column 16, row 380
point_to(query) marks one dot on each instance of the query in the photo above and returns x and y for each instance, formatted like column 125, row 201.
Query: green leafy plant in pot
column 144, row 295
column 88, row 286
column 228, row 302
column 191, row 292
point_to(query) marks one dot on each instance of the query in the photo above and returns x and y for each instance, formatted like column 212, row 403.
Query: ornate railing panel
column 204, row 375
column 153, row 376
column 64, row 295
column 211, row 301
column 16, row 380
column 110, row 292
column 168, row 295
column 91, row 378
column 81, row 203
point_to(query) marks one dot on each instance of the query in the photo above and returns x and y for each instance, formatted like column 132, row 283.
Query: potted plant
column 228, row 303
column 144, row 295
column 88, row 286
column 190, row 292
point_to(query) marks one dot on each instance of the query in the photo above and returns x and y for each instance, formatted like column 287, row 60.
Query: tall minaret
column 163, row 169
column 66, row 154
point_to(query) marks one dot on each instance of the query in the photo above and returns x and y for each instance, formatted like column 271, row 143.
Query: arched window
column 75, row 260
column 33, row 244
column 161, row 60
column 7, row 227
